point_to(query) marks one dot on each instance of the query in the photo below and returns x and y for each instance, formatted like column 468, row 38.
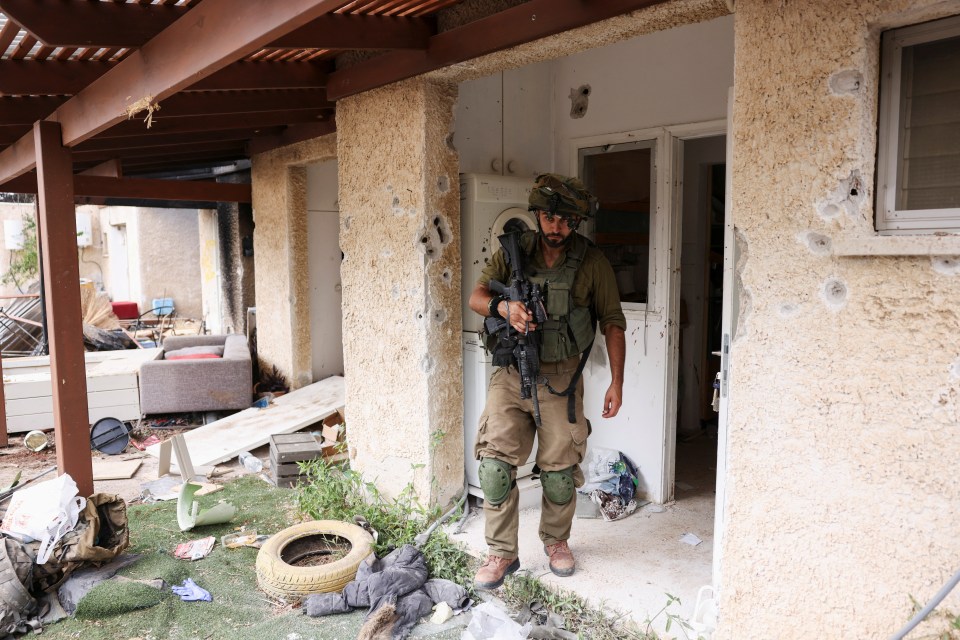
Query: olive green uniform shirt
column 594, row 285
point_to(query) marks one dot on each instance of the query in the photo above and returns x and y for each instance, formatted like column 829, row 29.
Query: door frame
column 664, row 284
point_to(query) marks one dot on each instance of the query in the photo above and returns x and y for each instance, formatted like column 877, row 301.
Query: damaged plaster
column 832, row 428
column 400, row 192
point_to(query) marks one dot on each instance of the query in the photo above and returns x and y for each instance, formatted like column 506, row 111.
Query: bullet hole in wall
column 834, row 293
column 817, row 243
column 846, row 82
column 443, row 184
column 579, row 100
column 946, row 265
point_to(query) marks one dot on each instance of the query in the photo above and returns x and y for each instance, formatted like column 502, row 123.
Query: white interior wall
column 677, row 76
column 323, row 260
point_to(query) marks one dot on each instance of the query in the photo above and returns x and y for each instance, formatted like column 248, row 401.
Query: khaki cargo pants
column 506, row 432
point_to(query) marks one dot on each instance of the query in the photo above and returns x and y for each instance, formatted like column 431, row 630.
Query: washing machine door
column 512, row 219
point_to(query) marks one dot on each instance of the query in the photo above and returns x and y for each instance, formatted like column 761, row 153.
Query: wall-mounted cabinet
column 503, row 123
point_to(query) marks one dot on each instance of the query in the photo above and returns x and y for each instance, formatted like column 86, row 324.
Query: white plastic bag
column 45, row 512
column 598, row 468
column 489, row 622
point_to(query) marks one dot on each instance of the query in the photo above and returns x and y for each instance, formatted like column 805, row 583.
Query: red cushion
column 126, row 310
column 192, row 356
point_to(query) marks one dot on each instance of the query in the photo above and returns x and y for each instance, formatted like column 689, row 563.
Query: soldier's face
column 556, row 229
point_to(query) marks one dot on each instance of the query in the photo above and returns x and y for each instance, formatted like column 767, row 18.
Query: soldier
column 580, row 291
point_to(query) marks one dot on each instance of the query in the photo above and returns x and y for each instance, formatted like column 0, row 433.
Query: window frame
column 890, row 220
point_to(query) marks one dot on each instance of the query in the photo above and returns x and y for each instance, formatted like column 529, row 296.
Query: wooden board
column 225, row 439
column 108, row 469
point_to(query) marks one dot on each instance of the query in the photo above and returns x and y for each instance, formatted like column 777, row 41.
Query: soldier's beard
column 555, row 241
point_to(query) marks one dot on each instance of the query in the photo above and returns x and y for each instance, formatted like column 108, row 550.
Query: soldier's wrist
column 493, row 307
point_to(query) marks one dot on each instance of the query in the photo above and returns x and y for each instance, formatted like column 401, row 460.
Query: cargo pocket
column 481, row 437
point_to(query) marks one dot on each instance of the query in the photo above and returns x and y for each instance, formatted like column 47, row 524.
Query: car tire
column 292, row 583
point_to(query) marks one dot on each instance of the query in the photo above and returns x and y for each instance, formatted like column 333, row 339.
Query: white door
column 323, row 262
column 729, row 315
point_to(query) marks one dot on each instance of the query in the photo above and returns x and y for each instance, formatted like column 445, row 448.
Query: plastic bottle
column 251, row 462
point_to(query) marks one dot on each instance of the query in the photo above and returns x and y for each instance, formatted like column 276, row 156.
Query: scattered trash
column 441, row 613
column 44, row 512
column 189, row 591
column 146, row 442
column 111, row 469
column 612, row 507
column 36, row 441
column 611, row 482
column 195, row 549
column 13, row 483
column 691, row 539
column 109, row 436
column 705, row 613
column 263, row 401
column 251, row 462
column 243, row 539
column 490, row 622
column 189, row 514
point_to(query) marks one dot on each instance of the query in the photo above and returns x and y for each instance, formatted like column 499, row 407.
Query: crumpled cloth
column 397, row 590
column 612, row 507
column 190, row 592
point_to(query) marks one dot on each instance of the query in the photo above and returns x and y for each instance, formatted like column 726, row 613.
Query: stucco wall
column 400, row 235
column 169, row 259
column 843, row 500
column 280, row 256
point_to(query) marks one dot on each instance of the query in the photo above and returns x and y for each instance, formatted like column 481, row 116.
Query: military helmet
column 562, row 196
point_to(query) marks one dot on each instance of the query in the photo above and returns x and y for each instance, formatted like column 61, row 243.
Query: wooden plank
column 251, row 428
column 109, row 469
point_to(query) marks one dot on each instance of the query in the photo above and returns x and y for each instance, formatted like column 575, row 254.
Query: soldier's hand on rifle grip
column 517, row 314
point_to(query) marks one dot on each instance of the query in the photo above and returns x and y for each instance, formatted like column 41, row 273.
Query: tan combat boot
column 561, row 558
column 493, row 571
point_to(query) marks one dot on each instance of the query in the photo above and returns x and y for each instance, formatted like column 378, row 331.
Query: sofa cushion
column 193, row 353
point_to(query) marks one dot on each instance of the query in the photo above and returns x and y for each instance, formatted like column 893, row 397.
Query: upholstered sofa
column 201, row 382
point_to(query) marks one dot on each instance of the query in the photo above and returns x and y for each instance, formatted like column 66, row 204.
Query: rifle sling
column 569, row 391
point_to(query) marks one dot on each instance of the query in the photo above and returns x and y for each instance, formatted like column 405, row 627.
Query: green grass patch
column 111, row 598
column 239, row 611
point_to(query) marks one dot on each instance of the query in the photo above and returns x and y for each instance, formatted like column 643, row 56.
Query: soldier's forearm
column 616, row 351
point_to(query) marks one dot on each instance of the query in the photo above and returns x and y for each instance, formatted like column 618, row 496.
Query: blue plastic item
column 162, row 306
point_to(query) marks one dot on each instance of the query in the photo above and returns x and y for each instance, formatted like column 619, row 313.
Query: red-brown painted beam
column 209, row 37
column 147, row 189
column 61, row 280
column 168, row 139
column 185, row 124
column 508, row 28
column 69, row 77
column 344, row 31
column 25, row 110
column 91, row 24
column 161, row 151
column 108, row 169
column 291, row 135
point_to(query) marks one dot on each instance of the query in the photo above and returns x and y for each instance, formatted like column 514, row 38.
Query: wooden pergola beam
column 508, row 28
column 184, row 124
column 345, row 31
column 168, row 139
column 124, row 25
column 291, row 135
column 91, row 24
column 69, row 77
column 25, row 110
column 206, row 39
column 94, row 186
column 61, row 283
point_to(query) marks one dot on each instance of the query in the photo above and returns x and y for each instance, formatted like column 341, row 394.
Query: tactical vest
column 569, row 329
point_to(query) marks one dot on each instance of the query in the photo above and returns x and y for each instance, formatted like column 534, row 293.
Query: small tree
column 24, row 262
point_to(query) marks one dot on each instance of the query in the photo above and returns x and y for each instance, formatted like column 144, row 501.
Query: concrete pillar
column 400, row 234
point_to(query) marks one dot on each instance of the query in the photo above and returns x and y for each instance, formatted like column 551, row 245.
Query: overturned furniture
column 198, row 373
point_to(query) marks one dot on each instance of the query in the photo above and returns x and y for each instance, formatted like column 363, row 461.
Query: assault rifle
column 521, row 350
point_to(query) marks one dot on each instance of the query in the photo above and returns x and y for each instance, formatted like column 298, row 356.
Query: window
column 621, row 176
column 918, row 164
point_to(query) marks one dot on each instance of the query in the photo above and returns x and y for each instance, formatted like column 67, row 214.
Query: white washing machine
column 490, row 205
